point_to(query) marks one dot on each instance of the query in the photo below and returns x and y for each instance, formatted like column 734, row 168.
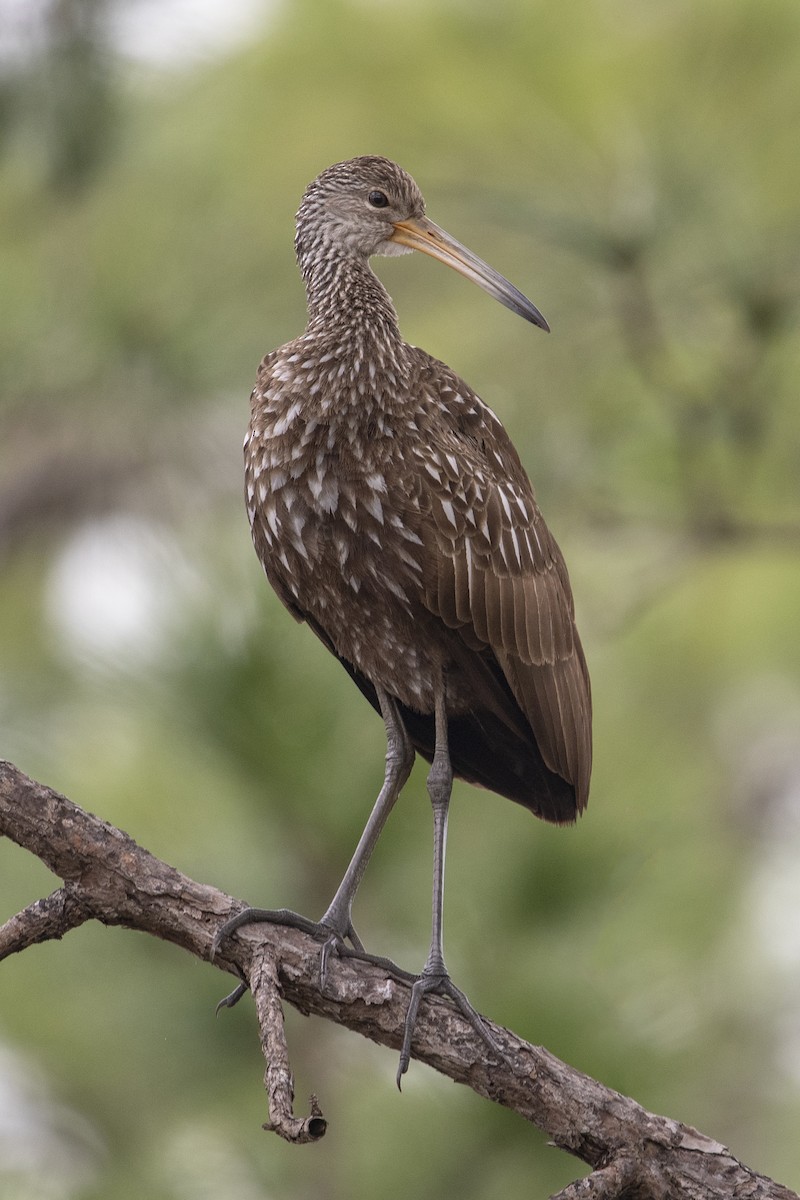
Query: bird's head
column 353, row 206
column 370, row 205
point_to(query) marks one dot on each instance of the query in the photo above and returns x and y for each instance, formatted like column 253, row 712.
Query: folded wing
column 494, row 574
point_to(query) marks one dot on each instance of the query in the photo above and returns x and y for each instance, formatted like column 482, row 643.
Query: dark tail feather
column 502, row 756
column 485, row 751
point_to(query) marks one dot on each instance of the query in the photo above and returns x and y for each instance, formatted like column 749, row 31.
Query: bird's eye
column 378, row 200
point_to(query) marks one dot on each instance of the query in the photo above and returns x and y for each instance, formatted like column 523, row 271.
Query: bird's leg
column 336, row 926
column 399, row 761
column 435, row 976
column 440, row 787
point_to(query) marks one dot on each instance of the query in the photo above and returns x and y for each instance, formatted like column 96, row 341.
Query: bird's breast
column 337, row 529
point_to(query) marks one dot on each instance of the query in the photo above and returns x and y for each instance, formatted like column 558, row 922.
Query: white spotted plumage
column 391, row 511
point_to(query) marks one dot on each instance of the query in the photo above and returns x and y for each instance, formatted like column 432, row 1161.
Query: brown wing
column 495, row 574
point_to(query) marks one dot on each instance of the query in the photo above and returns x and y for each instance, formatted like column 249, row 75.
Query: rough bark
column 108, row 877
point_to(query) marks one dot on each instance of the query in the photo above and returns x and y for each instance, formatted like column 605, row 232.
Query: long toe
column 422, row 985
column 441, row 983
column 333, row 940
column 256, row 916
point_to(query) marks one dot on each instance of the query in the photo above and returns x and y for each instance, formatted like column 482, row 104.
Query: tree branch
column 108, row 877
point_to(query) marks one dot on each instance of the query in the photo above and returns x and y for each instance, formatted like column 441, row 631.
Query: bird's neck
column 346, row 299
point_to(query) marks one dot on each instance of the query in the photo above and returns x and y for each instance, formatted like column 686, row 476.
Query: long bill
column 418, row 233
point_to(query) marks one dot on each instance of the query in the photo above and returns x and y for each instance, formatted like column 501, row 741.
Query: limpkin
column 392, row 514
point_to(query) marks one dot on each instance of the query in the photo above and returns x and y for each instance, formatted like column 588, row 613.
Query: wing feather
column 501, row 579
column 461, row 585
column 446, row 591
column 477, row 590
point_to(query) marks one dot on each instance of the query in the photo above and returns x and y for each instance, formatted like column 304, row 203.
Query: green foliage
column 634, row 168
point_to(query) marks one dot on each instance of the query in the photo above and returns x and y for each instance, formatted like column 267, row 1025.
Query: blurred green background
column 633, row 167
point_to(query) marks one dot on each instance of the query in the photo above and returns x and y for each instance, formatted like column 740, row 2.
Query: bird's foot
column 333, row 940
column 336, row 942
column 436, row 980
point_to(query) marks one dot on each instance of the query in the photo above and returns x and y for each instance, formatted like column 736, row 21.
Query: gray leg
column 399, row 761
column 337, row 923
column 435, row 977
column 440, row 787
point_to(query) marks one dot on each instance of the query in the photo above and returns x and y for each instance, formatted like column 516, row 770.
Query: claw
column 235, row 996
column 444, row 986
column 232, row 998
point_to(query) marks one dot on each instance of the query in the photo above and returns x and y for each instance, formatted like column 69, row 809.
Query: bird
column 392, row 515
